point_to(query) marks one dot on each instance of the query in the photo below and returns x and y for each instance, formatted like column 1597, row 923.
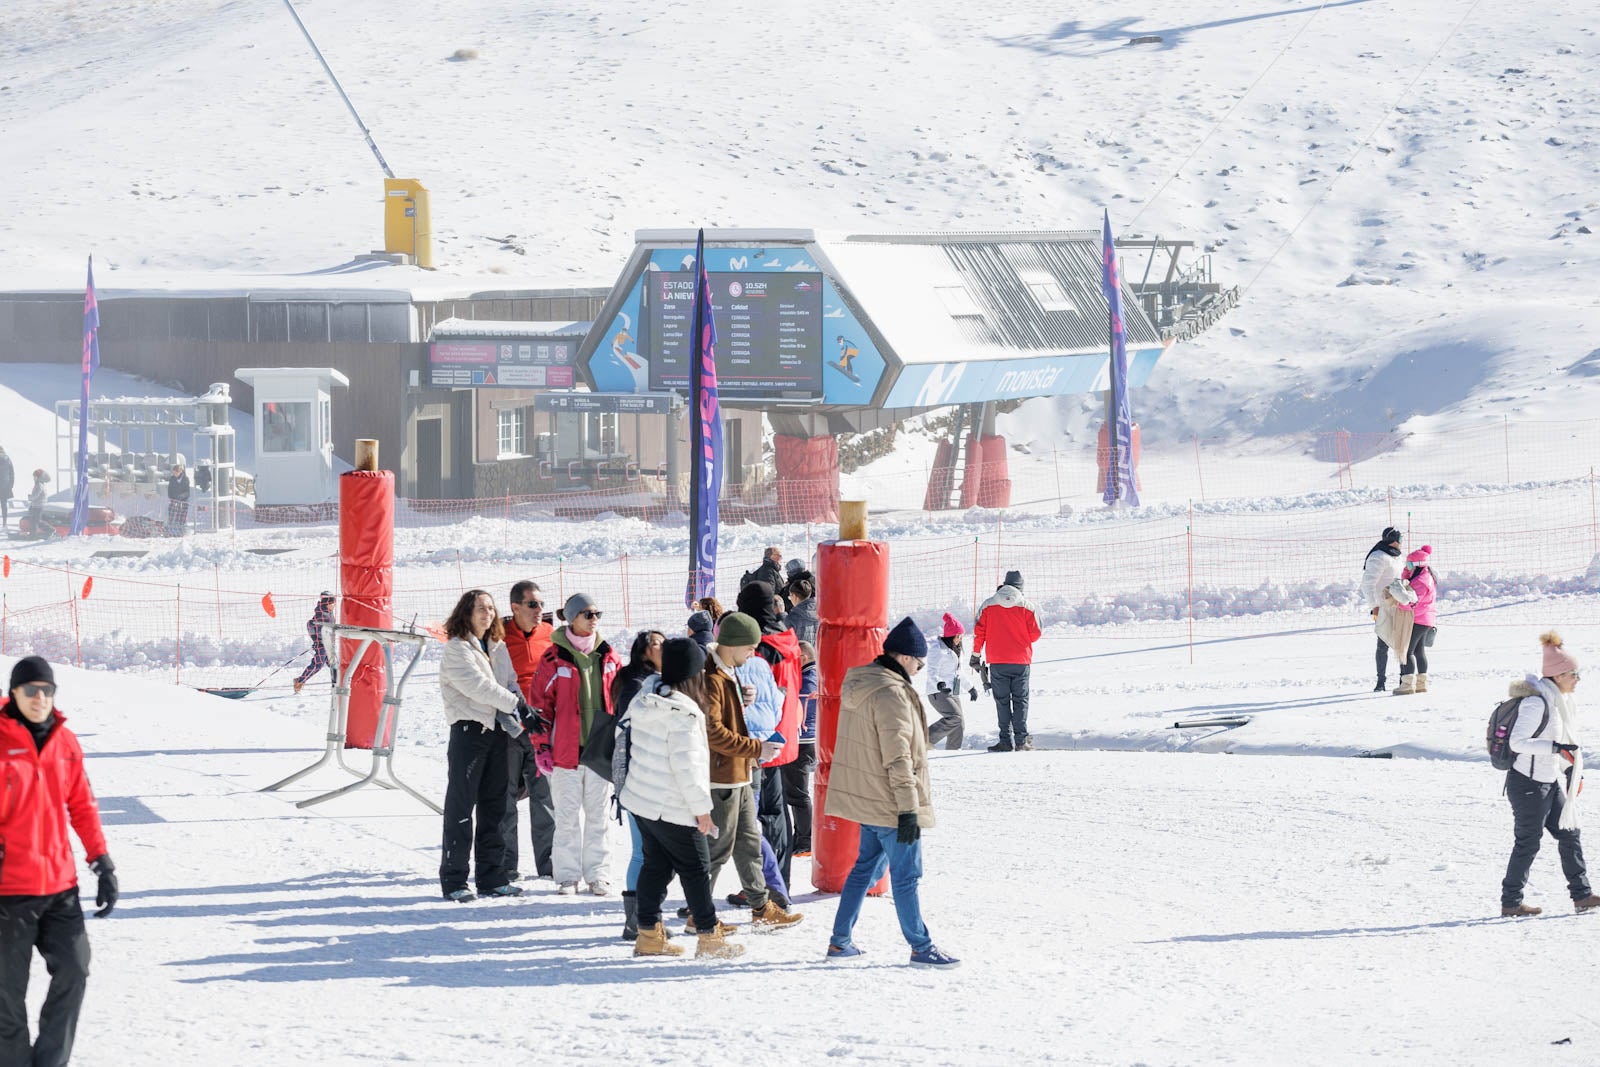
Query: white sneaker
column 567, row 889
column 600, row 889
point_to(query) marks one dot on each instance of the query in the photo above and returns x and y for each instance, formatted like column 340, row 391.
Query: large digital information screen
column 769, row 332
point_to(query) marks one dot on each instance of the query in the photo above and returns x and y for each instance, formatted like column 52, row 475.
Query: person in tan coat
column 880, row 780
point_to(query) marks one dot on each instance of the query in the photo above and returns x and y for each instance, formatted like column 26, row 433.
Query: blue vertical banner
column 91, row 362
column 705, row 440
column 1119, row 488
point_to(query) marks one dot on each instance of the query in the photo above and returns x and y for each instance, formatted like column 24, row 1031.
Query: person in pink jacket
column 1414, row 673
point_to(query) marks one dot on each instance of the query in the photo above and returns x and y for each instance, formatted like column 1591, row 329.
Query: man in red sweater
column 42, row 787
column 1008, row 626
column 528, row 634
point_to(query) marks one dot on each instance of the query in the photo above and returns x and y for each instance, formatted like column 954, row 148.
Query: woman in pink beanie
column 1414, row 672
column 944, row 685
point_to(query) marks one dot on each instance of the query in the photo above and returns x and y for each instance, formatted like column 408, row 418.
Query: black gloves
column 944, row 687
column 974, row 662
column 106, row 895
column 972, row 694
column 1570, row 750
column 909, row 830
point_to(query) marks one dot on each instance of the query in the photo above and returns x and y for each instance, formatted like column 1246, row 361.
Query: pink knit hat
column 1420, row 555
column 1557, row 660
column 952, row 626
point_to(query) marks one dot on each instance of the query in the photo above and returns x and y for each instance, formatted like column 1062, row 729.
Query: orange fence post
column 1198, row 473
column 178, row 640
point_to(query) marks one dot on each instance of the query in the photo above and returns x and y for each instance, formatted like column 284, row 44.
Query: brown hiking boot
column 653, row 942
column 772, row 917
column 1588, row 903
column 1521, row 910
column 714, row 944
column 725, row 929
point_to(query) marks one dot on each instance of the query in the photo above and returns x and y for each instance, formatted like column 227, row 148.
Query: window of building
column 1047, row 291
column 958, row 302
column 287, row 427
column 513, row 432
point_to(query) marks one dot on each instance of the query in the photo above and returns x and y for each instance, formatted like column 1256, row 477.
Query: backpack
column 1501, row 757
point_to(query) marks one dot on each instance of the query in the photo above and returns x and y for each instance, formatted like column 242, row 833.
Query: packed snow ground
column 1123, row 908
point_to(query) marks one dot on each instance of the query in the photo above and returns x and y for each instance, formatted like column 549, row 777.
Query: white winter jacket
column 943, row 666
column 1379, row 570
column 669, row 763
column 470, row 685
column 1535, row 748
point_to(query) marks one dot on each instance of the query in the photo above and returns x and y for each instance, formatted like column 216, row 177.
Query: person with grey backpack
column 1544, row 774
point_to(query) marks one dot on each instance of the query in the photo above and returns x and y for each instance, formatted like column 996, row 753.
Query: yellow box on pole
column 407, row 224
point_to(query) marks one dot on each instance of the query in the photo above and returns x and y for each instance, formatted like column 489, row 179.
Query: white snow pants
column 580, row 851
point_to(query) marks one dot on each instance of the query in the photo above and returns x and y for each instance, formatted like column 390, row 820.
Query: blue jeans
column 880, row 848
column 636, row 861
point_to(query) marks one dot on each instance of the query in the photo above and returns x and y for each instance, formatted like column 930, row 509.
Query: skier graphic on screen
column 629, row 360
column 847, row 354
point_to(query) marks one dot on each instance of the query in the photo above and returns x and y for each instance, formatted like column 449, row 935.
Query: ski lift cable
column 1344, row 168
column 1218, row 124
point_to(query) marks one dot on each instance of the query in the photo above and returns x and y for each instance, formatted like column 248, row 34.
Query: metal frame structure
column 339, row 712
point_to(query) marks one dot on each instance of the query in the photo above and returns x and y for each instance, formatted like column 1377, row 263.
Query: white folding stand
column 339, row 712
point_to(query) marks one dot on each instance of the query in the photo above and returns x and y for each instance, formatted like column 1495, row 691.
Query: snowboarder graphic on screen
column 847, row 355
column 1008, row 626
column 322, row 613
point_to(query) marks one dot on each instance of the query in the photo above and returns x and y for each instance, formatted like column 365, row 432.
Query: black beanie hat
column 31, row 669
column 681, row 659
column 1013, row 579
column 1391, row 536
column 907, row 640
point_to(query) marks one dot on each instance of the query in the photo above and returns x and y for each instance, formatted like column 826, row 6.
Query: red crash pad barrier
column 366, row 573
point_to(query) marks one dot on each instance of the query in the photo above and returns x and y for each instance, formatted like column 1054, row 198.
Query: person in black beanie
column 43, row 768
column 879, row 779
column 1382, row 567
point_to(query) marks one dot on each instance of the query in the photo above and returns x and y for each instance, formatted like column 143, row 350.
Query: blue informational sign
column 931, row 385
column 788, row 336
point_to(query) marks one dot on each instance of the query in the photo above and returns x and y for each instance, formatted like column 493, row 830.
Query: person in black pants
column 45, row 789
column 797, row 775
column 483, row 712
column 524, row 779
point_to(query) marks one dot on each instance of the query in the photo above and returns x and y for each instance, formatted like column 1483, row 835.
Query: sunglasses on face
column 534, row 604
column 38, row 690
column 588, row 614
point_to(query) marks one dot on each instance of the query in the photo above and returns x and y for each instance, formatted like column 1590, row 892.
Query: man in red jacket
column 1008, row 626
column 42, row 786
column 528, row 633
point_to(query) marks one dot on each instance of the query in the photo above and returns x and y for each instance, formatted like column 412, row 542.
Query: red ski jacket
column 39, row 792
column 1007, row 626
column 782, row 653
column 526, row 650
column 555, row 691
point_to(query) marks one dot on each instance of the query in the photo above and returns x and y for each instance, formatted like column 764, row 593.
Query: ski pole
column 279, row 667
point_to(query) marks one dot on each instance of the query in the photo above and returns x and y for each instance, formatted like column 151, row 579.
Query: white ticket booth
column 294, row 432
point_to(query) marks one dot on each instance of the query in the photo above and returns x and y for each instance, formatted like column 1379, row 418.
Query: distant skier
column 322, row 613
column 178, row 500
column 1382, row 566
column 1414, row 672
column 46, row 788
column 37, row 499
column 1545, row 779
column 944, row 686
column 1008, row 626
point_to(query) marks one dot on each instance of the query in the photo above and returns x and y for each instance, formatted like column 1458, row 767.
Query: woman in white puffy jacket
column 668, row 791
column 474, row 675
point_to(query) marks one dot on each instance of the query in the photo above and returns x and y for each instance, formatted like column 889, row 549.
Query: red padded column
column 808, row 478
column 853, row 607
column 366, row 572
column 995, row 492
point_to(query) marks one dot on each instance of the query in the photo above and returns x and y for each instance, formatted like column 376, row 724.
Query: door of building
column 430, row 459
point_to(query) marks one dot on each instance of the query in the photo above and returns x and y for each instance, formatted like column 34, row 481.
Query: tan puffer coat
column 880, row 759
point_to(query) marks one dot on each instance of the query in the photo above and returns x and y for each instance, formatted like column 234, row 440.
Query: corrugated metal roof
column 454, row 327
column 1033, row 294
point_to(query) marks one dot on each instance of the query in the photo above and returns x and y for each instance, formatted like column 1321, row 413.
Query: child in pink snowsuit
column 1414, row 673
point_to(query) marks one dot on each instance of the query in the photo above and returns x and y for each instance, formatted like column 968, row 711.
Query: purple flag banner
column 91, row 362
column 1119, row 486
column 705, row 441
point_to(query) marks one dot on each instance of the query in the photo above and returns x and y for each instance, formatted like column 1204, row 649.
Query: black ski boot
column 1383, row 684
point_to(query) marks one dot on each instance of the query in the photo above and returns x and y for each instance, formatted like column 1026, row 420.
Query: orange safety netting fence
column 1176, row 574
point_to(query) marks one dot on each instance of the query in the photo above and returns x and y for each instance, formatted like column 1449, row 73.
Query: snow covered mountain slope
column 1446, row 271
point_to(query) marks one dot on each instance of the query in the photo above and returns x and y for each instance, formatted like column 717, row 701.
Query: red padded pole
column 853, row 608
column 366, row 572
